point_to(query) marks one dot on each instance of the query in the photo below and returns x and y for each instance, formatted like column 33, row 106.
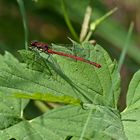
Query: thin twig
column 96, row 23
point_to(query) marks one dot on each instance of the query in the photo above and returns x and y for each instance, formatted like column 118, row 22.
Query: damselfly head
column 39, row 45
column 34, row 42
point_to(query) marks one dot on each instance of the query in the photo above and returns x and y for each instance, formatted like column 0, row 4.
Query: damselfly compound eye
column 33, row 43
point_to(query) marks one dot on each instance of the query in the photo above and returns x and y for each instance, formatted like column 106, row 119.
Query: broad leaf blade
column 131, row 123
column 71, row 78
column 131, row 115
column 61, row 123
column 15, row 78
column 133, row 95
column 11, row 109
column 34, row 61
column 101, row 85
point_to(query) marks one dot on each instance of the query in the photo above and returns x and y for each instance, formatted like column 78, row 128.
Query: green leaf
column 70, row 80
column 11, row 109
column 92, row 83
column 131, row 115
column 34, row 61
column 95, row 82
column 61, row 123
column 16, row 78
column 133, row 95
column 131, row 123
column 48, row 97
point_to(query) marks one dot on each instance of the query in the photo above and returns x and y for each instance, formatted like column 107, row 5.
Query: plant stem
column 24, row 20
column 41, row 106
column 126, row 45
column 88, row 36
column 96, row 23
column 73, row 32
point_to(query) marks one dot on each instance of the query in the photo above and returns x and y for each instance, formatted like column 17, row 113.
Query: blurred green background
column 46, row 23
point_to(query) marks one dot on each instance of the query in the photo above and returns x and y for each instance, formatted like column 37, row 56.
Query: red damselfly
column 45, row 48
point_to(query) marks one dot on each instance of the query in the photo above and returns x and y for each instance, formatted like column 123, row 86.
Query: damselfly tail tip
column 98, row 66
column 93, row 42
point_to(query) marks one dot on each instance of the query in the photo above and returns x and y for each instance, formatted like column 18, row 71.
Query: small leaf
column 131, row 123
column 133, row 95
column 48, row 97
column 131, row 115
column 11, row 110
